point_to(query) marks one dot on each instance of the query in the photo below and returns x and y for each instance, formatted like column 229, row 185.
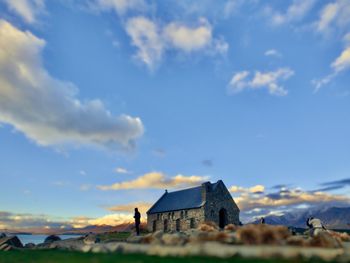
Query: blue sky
column 105, row 103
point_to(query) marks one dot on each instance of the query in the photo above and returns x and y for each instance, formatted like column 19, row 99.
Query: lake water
column 37, row 239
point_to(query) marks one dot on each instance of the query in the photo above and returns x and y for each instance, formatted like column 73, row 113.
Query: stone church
column 185, row 209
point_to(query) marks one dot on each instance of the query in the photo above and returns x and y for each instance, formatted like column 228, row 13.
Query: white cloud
column 145, row 35
column 334, row 15
column 343, row 61
column 26, row 9
column 156, row 180
column 188, row 38
column 295, row 12
column 232, row 6
column 340, row 64
column 46, row 109
column 121, row 170
column 269, row 80
column 121, row 6
column 152, row 40
column 327, row 15
column 272, row 53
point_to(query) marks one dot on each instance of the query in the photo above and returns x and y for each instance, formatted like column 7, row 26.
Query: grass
column 55, row 256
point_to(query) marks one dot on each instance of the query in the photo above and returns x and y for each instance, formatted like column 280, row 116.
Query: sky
column 104, row 104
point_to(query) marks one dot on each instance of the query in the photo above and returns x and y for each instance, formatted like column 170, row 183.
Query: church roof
column 179, row 200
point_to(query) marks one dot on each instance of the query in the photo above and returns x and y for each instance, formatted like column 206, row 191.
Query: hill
column 332, row 217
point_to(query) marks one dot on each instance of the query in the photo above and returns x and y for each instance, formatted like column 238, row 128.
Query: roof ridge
column 185, row 189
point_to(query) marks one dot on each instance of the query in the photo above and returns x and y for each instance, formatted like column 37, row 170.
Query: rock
column 2, row 235
column 91, row 239
column 29, row 245
column 12, row 241
column 52, row 238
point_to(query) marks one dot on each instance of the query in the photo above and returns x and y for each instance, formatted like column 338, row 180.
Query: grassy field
column 55, row 256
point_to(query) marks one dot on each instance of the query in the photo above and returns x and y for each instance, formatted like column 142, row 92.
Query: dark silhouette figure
column 137, row 217
column 262, row 221
column 308, row 222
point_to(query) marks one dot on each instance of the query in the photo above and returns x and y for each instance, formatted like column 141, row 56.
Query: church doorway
column 222, row 218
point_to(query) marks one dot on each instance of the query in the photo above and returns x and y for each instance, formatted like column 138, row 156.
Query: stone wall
column 184, row 216
column 218, row 199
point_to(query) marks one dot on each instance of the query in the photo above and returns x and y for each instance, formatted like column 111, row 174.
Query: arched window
column 186, row 213
column 212, row 213
column 182, row 215
column 154, row 226
column 192, row 223
column 165, row 225
column 178, row 225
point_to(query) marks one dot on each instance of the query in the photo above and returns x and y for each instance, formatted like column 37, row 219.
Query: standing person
column 262, row 221
column 137, row 217
column 316, row 226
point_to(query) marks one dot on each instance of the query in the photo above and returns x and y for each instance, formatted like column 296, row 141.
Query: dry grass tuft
column 324, row 239
column 342, row 236
column 208, row 227
column 262, row 234
column 231, row 228
column 296, row 241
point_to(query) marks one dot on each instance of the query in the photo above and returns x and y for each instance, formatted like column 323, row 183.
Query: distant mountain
column 332, row 218
column 126, row 227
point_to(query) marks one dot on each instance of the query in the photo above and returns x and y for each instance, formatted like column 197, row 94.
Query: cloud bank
column 46, row 109
column 156, row 180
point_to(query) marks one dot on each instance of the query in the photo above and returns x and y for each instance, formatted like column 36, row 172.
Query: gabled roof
column 178, row 200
